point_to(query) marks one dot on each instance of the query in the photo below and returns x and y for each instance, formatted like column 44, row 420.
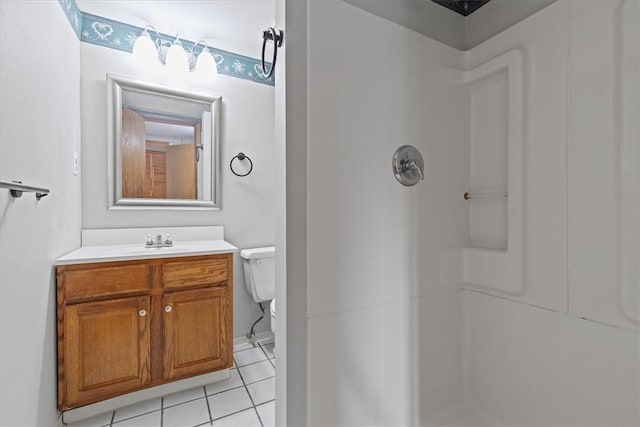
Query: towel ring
column 277, row 37
column 241, row 156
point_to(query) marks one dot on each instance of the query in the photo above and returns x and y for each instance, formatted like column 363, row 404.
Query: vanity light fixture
column 176, row 57
column 145, row 49
column 203, row 62
column 173, row 55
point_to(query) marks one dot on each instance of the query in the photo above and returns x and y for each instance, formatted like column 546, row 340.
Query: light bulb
column 145, row 50
column 177, row 59
column 206, row 63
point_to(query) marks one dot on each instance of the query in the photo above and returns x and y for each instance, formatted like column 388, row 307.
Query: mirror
column 163, row 146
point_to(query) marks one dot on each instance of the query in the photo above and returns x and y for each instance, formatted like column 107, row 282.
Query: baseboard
column 260, row 337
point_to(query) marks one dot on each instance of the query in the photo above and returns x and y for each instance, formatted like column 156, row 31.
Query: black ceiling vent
column 463, row 7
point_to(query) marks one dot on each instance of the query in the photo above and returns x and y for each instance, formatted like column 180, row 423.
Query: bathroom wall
column 39, row 132
column 383, row 311
column 565, row 349
column 247, row 123
column 555, row 344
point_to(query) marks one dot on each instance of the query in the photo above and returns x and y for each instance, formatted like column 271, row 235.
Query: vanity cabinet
column 128, row 325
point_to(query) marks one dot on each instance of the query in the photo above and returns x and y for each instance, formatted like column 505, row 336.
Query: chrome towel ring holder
column 241, row 157
column 277, row 37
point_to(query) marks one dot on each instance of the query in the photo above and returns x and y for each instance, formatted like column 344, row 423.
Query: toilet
column 260, row 277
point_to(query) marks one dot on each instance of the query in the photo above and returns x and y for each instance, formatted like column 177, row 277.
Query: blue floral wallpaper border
column 118, row 35
column 73, row 14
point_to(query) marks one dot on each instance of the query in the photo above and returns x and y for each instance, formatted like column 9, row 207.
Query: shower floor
column 247, row 398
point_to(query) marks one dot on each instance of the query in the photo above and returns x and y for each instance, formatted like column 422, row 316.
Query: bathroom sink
column 106, row 253
column 143, row 250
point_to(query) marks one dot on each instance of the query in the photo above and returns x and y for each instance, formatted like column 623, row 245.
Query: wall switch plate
column 76, row 163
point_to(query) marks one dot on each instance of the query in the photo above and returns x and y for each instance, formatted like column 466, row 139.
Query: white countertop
column 108, row 253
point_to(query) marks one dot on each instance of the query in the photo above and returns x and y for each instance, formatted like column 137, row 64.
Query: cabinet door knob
column 168, row 308
column 142, row 313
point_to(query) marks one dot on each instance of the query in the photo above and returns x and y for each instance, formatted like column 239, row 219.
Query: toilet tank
column 260, row 272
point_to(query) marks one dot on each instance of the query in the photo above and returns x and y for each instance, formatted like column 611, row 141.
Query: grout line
column 268, row 358
column 206, row 399
column 263, row 350
column 186, row 401
column 161, row 411
column 266, row 401
column 231, row 414
column 251, row 398
column 253, row 363
column 114, row 422
column 240, row 386
column 247, row 349
column 226, row 390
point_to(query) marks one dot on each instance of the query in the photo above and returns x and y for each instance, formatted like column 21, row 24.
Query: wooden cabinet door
column 106, row 349
column 197, row 331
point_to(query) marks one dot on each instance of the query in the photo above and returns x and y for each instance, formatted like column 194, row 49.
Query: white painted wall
column 383, row 312
column 39, row 131
column 247, row 123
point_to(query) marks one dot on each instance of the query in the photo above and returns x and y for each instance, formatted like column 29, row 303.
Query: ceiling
column 231, row 25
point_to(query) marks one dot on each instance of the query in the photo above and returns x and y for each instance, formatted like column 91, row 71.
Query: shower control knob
column 408, row 165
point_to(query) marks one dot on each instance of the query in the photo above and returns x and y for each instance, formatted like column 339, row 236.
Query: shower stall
column 503, row 288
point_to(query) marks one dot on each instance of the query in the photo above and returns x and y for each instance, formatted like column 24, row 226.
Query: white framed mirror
column 163, row 146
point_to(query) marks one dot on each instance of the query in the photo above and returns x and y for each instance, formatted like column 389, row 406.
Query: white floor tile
column 148, row 420
column 263, row 391
column 257, row 372
column 247, row 357
column 268, row 413
column 269, row 349
column 242, row 346
column 186, row 415
column 137, row 409
column 228, row 402
column 233, row 382
column 183, row 396
column 246, row 418
column 97, row 421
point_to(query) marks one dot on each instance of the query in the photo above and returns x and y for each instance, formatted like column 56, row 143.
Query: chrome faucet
column 159, row 242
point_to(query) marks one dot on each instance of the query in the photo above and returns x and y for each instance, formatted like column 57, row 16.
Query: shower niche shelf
column 493, row 257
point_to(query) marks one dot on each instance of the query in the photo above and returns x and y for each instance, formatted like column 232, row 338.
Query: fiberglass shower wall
column 383, row 264
column 564, row 347
column 426, row 308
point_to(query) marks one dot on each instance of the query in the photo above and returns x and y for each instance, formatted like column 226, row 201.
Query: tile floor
column 246, row 399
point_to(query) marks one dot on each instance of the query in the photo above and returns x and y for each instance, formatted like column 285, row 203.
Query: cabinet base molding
column 88, row 411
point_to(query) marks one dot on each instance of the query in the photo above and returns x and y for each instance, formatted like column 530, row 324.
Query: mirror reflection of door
column 159, row 156
column 133, row 154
